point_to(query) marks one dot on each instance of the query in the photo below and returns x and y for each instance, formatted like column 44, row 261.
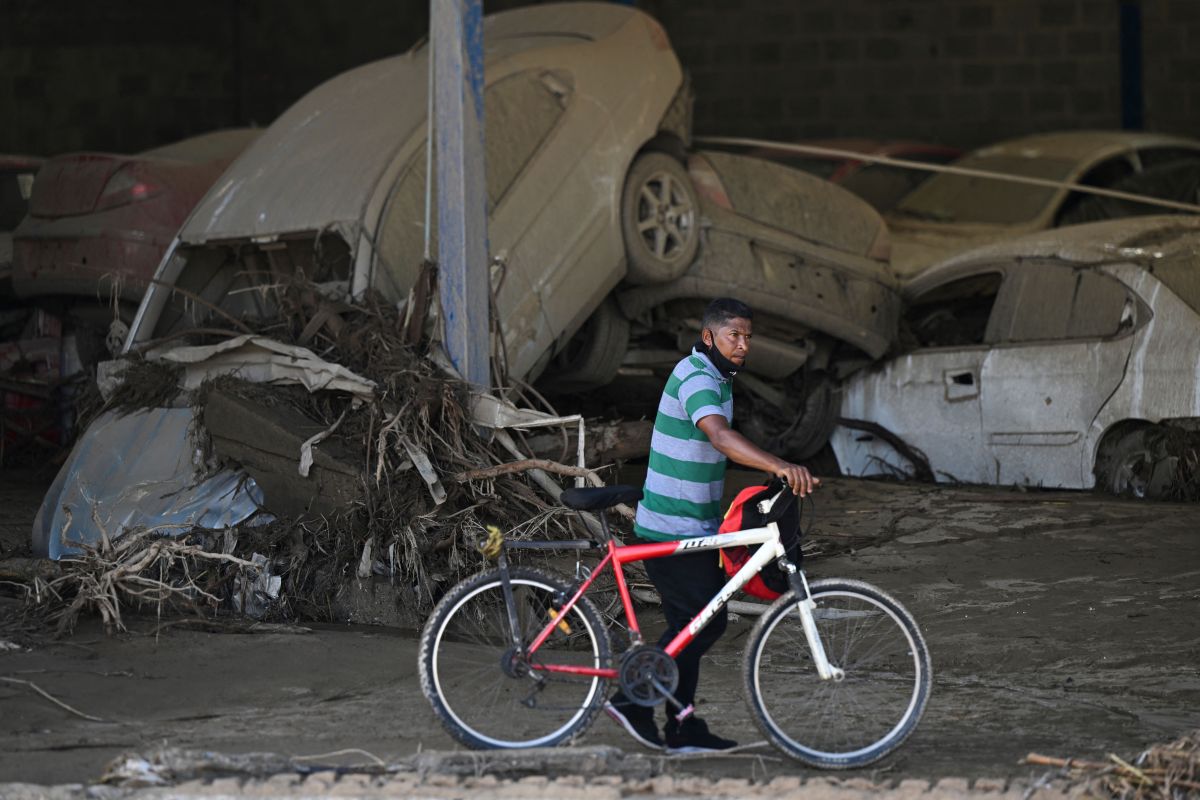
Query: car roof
column 1130, row 239
column 1082, row 145
column 317, row 166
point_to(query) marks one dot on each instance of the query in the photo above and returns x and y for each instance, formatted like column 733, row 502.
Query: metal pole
column 456, row 35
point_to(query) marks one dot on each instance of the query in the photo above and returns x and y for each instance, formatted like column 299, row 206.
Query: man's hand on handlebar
column 798, row 478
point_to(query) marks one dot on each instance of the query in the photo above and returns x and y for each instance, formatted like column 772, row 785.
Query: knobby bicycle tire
column 463, row 656
column 859, row 719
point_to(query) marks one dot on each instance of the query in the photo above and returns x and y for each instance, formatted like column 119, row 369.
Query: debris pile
column 1170, row 771
column 396, row 483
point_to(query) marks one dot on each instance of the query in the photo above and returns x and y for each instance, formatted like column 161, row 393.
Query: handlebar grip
column 776, row 486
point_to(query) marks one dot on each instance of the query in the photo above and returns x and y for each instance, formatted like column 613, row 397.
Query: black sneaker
column 637, row 720
column 692, row 736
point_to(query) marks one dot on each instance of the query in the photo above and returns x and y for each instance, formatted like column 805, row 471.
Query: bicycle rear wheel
column 483, row 698
column 838, row 724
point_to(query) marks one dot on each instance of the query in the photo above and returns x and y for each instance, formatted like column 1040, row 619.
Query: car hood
column 318, row 165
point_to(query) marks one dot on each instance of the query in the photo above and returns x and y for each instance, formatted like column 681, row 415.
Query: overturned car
column 608, row 234
column 1062, row 359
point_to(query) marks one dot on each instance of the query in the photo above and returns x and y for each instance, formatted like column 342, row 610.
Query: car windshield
column 959, row 198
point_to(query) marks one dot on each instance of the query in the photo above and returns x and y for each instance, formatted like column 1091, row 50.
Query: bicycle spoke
column 486, row 692
column 838, row 722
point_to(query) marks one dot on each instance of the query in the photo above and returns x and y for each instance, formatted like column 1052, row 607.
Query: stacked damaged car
column 1064, row 359
column 284, row 360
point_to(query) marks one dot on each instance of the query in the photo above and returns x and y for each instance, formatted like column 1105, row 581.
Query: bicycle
column 836, row 672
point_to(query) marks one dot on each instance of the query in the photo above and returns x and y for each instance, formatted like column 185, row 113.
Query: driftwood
column 130, row 570
column 922, row 471
column 604, row 443
column 52, row 698
column 27, row 570
column 528, row 464
column 1163, row 771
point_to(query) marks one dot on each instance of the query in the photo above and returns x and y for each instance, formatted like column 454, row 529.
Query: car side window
column 1104, row 175
column 1055, row 302
column 1158, row 156
column 520, row 110
column 954, row 314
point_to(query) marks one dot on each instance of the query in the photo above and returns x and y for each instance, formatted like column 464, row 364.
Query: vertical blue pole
column 456, row 33
column 1132, row 105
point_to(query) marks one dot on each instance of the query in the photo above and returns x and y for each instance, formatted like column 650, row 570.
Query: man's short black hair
column 722, row 310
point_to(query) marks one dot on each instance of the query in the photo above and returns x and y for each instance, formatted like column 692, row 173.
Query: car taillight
column 125, row 187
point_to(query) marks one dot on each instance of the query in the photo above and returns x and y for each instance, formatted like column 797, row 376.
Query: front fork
column 805, row 607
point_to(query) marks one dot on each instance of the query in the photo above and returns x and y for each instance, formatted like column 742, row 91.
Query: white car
column 613, row 235
column 1058, row 360
column 950, row 214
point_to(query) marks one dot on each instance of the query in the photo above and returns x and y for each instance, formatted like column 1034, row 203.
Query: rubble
column 1167, row 770
column 366, row 463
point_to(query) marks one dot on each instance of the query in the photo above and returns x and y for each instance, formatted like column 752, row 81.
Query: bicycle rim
column 864, row 716
column 467, row 643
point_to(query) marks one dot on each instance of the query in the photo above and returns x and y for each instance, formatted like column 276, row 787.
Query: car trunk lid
column 70, row 185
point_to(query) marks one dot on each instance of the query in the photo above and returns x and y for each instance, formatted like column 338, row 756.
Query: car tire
column 594, row 353
column 1137, row 464
column 659, row 220
column 797, row 433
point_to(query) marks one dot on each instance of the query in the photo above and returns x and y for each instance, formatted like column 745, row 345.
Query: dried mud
column 1062, row 623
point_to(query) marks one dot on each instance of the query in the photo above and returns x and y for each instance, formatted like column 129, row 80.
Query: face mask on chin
column 723, row 364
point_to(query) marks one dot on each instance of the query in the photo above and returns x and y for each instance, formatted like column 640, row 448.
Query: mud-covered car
column 607, row 233
column 1068, row 358
column 881, row 185
column 951, row 213
column 99, row 223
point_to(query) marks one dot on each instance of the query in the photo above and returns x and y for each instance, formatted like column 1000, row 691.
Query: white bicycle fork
column 805, row 608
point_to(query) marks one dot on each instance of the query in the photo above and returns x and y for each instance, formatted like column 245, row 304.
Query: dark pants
column 686, row 583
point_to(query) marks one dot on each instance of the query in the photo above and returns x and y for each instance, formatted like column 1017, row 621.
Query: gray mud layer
column 1061, row 623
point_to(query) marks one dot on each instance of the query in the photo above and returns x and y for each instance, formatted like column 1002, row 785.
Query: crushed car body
column 1057, row 360
column 608, row 235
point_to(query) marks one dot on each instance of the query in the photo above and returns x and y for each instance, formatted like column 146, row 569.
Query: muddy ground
column 1063, row 623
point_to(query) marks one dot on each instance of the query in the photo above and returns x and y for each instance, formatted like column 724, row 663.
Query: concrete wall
column 960, row 71
column 128, row 75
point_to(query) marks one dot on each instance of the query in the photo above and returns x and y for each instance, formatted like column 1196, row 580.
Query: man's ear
column 706, row 336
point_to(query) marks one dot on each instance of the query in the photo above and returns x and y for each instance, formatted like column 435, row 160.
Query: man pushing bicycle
column 691, row 444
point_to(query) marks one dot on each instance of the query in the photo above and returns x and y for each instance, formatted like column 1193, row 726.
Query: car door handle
column 960, row 384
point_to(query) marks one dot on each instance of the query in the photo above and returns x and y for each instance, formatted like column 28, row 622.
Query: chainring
column 643, row 666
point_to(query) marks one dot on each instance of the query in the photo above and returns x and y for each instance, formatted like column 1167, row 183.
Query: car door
column 1061, row 344
column 929, row 398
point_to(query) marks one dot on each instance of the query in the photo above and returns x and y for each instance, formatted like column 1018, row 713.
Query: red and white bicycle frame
column 619, row 555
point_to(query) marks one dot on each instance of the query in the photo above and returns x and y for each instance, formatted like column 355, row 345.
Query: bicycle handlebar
column 780, row 502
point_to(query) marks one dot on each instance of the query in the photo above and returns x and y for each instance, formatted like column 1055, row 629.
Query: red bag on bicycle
column 743, row 514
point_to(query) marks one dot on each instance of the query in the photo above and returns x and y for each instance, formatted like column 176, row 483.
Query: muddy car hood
column 318, row 165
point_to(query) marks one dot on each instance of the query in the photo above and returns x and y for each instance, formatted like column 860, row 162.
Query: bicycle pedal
column 684, row 713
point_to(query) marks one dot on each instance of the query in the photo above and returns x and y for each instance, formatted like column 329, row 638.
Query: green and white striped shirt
column 686, row 478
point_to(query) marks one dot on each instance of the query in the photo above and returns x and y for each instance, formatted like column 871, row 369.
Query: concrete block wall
column 962, row 72
column 129, row 75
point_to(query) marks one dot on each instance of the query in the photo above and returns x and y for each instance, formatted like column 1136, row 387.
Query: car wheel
column 799, row 432
column 659, row 219
column 1137, row 464
column 593, row 355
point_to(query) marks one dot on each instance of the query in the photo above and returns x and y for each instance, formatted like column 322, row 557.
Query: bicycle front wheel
column 486, row 698
column 847, row 722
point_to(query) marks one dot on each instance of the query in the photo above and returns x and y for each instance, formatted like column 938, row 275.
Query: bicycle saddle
column 594, row 498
